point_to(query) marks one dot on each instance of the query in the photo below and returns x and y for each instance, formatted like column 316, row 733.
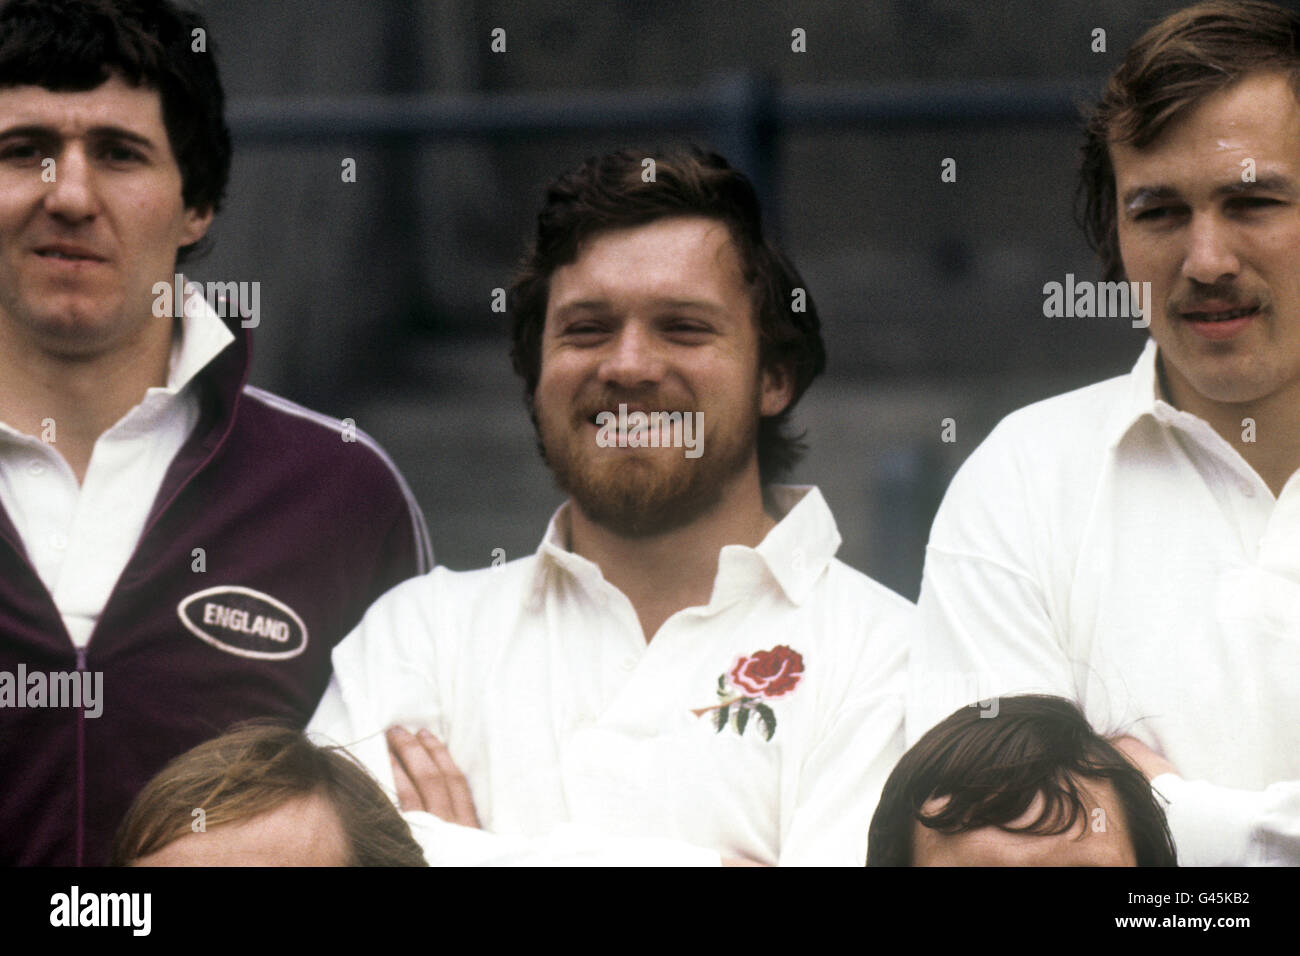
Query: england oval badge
column 242, row 621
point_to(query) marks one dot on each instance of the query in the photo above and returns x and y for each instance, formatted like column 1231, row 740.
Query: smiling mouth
column 632, row 410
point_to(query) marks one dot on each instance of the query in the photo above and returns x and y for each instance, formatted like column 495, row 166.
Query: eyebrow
column 602, row 305
column 1263, row 184
column 94, row 132
column 1141, row 195
column 702, row 304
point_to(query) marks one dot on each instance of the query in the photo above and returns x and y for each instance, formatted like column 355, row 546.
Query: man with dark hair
column 1133, row 545
column 599, row 195
column 178, row 551
column 264, row 795
column 1033, row 786
column 682, row 672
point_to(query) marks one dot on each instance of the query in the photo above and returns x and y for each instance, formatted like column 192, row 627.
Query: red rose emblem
column 768, row 674
column 765, row 675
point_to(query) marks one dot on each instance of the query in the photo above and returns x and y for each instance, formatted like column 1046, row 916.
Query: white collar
column 1145, row 399
column 201, row 336
column 794, row 552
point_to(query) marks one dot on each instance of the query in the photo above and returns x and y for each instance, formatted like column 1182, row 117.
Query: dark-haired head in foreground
column 1035, row 785
column 269, row 797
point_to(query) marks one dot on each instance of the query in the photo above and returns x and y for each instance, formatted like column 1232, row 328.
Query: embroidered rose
column 768, row 674
column 765, row 675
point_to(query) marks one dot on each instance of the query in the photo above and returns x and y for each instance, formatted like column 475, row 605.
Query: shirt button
column 629, row 663
column 1247, row 489
column 35, row 467
column 59, row 542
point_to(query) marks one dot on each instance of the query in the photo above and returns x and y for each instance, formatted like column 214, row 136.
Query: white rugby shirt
column 583, row 743
column 80, row 537
column 1104, row 546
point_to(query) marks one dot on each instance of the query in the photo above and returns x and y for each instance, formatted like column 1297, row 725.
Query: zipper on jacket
column 81, row 765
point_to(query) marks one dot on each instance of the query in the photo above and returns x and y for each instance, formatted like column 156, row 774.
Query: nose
column 1209, row 256
column 72, row 196
column 633, row 359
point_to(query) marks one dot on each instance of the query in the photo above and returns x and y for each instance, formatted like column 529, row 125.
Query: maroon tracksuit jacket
column 301, row 531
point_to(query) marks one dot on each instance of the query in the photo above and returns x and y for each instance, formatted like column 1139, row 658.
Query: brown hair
column 609, row 193
column 993, row 768
column 1176, row 64
column 256, row 768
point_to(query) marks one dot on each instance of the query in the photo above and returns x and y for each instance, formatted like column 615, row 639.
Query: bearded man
column 683, row 672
